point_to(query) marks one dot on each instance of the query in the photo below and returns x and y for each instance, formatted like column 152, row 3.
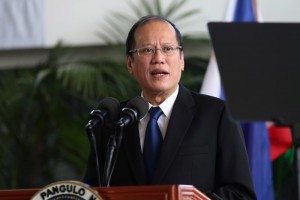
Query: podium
column 157, row 192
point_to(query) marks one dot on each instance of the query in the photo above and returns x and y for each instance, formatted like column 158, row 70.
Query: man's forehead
column 164, row 29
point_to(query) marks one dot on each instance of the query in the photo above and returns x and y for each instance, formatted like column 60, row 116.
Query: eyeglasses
column 149, row 51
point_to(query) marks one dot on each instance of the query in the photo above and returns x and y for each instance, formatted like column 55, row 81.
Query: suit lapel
column 177, row 129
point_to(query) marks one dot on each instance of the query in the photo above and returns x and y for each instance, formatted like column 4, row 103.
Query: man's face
column 157, row 74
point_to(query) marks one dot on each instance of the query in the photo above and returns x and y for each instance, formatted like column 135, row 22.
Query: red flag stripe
column 280, row 140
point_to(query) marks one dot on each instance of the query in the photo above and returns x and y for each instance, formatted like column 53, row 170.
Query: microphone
column 108, row 111
column 134, row 110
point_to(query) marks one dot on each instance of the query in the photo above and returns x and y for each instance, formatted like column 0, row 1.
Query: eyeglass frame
column 155, row 49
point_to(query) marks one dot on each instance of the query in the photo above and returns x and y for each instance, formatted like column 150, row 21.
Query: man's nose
column 158, row 56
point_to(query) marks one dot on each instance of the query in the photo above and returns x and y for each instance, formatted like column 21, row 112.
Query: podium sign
column 67, row 190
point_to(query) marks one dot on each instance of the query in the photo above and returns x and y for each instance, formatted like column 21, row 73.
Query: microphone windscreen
column 112, row 106
column 140, row 105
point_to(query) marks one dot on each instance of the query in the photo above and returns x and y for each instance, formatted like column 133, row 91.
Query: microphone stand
column 109, row 157
column 112, row 155
column 91, row 134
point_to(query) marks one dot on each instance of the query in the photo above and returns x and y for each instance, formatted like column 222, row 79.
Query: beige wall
column 77, row 21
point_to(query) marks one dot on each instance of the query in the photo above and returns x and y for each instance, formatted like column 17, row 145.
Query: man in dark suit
column 201, row 146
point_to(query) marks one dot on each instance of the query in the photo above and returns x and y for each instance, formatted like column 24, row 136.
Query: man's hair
column 130, row 42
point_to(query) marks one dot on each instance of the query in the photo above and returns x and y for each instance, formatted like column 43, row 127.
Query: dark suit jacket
column 202, row 147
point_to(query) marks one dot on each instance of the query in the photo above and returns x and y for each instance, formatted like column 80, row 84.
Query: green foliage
column 43, row 112
column 193, row 74
column 95, row 79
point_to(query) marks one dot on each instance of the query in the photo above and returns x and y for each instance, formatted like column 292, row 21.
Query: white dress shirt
column 163, row 120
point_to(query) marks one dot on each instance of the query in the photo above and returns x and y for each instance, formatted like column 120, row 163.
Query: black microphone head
column 134, row 110
column 140, row 105
column 112, row 106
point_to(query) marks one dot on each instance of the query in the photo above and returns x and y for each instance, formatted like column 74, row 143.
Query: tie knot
column 155, row 112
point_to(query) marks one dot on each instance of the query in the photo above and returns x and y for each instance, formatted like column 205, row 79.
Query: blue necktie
column 152, row 143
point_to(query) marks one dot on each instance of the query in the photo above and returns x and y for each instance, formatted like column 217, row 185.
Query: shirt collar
column 167, row 105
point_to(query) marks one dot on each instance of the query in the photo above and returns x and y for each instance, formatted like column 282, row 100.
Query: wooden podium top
column 158, row 192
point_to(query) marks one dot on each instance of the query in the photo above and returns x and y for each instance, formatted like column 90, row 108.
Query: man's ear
column 182, row 61
column 130, row 64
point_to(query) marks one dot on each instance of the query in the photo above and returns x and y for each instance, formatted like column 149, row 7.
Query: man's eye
column 147, row 50
column 168, row 49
